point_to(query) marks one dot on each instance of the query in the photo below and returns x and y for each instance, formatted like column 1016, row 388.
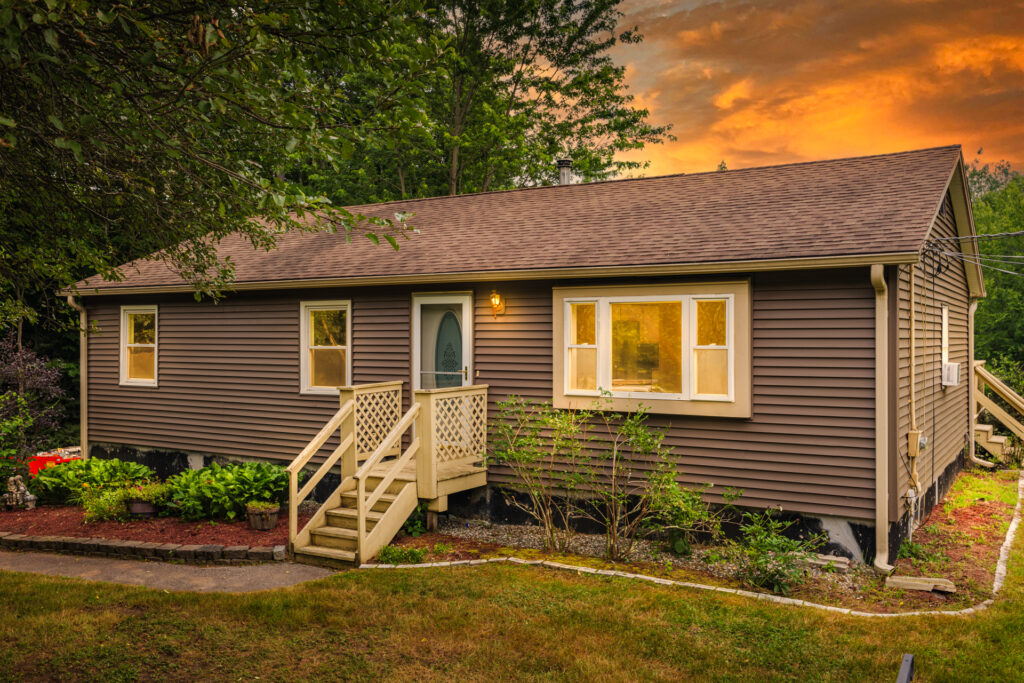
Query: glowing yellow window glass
column 646, row 351
column 711, row 353
column 711, row 330
column 328, row 348
column 583, row 346
column 140, row 347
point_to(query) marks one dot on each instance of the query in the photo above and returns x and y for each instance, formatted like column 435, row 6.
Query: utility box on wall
column 950, row 374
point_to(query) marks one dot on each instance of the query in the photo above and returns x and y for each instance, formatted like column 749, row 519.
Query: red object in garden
column 40, row 461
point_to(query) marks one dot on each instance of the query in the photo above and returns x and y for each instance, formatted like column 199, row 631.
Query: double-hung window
column 326, row 359
column 138, row 345
column 682, row 349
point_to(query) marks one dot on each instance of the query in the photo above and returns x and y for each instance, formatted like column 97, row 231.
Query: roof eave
column 649, row 270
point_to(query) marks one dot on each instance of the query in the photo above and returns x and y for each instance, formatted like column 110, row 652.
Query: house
column 797, row 329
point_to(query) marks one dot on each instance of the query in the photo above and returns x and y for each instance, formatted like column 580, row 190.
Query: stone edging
column 1000, row 577
column 143, row 550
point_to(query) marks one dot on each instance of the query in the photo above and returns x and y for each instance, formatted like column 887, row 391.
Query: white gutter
column 881, row 419
column 83, row 373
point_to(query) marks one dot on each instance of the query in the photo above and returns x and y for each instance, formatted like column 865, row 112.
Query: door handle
column 465, row 371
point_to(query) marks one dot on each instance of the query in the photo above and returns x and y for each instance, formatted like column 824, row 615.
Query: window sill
column 317, row 391
column 657, row 406
column 137, row 383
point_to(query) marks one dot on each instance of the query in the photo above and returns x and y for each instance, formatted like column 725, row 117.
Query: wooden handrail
column 1002, row 391
column 318, row 441
column 388, row 442
column 324, row 468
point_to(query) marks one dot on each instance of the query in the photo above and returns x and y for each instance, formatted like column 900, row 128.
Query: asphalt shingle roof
column 881, row 204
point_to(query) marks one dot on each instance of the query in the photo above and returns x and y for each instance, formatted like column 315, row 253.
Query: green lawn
column 494, row 622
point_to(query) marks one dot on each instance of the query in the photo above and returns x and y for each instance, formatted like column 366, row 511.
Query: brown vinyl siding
column 810, row 444
column 942, row 413
column 229, row 373
column 229, row 381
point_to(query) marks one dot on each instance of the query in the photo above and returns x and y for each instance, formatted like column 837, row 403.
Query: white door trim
column 466, row 300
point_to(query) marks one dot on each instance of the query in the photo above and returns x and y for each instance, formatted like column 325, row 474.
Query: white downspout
column 83, row 373
column 972, row 387
column 881, row 419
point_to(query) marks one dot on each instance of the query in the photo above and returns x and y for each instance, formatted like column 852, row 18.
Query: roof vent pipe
column 565, row 171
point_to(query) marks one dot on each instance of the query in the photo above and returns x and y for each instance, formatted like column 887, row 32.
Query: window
column 944, row 350
column 682, row 349
column 325, row 356
column 138, row 345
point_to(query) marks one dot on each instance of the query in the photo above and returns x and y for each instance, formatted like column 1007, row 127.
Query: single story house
column 795, row 328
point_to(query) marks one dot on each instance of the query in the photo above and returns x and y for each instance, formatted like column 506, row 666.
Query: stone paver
column 161, row 575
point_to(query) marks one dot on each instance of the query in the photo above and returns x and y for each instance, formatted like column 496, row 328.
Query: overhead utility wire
column 988, row 236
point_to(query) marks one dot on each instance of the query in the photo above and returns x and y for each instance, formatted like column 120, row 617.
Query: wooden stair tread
column 336, row 531
column 354, row 514
column 384, row 497
column 329, row 553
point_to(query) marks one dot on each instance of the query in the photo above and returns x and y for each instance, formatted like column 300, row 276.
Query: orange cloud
column 774, row 81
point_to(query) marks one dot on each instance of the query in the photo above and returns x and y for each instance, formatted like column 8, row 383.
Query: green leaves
column 144, row 130
column 216, row 492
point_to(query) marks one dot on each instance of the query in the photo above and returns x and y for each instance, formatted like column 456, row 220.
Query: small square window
column 325, row 356
column 139, row 345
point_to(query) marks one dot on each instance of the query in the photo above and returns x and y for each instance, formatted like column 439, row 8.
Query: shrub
column 36, row 382
column 416, row 525
column 545, row 449
column 106, row 504
column 261, row 506
column 221, row 492
column 681, row 514
column 152, row 492
column 15, row 422
column 765, row 558
column 65, row 483
column 393, row 554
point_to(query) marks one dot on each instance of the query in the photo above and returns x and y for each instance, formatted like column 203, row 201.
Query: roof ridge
column 595, row 183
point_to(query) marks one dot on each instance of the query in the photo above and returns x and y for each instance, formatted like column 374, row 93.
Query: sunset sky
column 764, row 82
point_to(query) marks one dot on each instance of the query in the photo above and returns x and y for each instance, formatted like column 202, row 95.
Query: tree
column 999, row 321
column 158, row 126
column 525, row 83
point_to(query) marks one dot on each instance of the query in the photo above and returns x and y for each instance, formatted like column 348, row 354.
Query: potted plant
column 145, row 499
column 262, row 515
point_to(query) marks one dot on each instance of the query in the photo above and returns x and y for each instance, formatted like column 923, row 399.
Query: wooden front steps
column 993, row 443
column 389, row 461
column 335, row 542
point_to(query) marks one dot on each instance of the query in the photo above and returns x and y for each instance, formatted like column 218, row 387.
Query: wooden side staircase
column 389, row 461
column 984, row 435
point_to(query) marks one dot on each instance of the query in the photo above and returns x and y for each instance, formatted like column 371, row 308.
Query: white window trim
column 687, row 351
column 126, row 381
column 944, row 339
column 305, row 307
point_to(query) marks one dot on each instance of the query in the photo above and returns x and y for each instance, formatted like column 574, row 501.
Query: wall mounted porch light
column 497, row 303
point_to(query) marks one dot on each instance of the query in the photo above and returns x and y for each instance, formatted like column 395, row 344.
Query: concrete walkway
column 161, row 575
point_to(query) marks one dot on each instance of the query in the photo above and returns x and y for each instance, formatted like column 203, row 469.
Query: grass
column 498, row 622
column 967, row 490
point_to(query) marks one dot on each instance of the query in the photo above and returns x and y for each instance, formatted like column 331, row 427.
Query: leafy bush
column 261, row 506
column 36, row 382
column 106, row 504
column 765, row 558
column 595, row 465
column 681, row 514
column 545, row 449
column 393, row 554
column 15, row 422
column 65, row 483
column 221, row 492
column 153, row 492
column 416, row 525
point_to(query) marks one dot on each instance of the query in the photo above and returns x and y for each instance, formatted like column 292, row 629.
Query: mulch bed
column 67, row 521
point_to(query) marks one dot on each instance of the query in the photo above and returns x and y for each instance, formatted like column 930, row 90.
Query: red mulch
column 67, row 521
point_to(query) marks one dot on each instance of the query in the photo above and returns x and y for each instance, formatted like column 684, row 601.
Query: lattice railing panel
column 460, row 426
column 376, row 412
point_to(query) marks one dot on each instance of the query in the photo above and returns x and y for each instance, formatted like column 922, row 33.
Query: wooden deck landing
column 452, row 477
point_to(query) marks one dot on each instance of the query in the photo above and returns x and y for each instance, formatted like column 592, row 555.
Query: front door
column 442, row 340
